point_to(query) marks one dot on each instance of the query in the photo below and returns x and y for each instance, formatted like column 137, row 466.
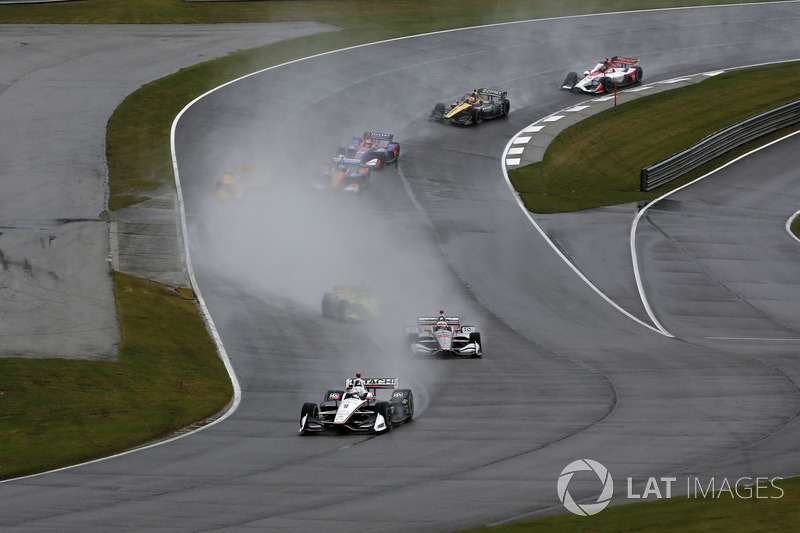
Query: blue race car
column 374, row 150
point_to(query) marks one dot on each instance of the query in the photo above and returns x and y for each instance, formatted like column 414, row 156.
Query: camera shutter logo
column 586, row 509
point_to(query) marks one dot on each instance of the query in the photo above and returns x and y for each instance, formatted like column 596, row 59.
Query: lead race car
column 474, row 107
column 374, row 150
column 443, row 336
column 605, row 76
column 357, row 408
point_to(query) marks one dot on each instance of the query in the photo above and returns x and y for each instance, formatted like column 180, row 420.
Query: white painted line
column 715, row 73
column 641, row 213
column 640, row 89
column 513, row 162
column 521, row 140
column 533, row 129
column 552, row 118
column 788, row 226
column 675, row 80
column 516, row 151
column 576, row 108
column 751, row 339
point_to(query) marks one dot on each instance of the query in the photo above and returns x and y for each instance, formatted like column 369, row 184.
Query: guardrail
column 717, row 144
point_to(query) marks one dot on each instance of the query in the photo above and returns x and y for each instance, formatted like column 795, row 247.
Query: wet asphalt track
column 564, row 375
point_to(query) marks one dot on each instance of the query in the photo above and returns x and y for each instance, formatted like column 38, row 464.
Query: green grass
column 777, row 512
column 597, row 161
column 168, row 374
column 57, row 412
column 137, row 137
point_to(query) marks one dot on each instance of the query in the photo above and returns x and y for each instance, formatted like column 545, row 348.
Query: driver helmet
column 441, row 324
column 472, row 99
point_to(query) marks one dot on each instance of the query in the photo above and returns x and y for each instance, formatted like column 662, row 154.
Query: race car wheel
column 506, row 108
column 385, row 410
column 396, row 155
column 329, row 304
column 476, row 338
column 341, row 151
column 608, row 85
column 309, row 409
column 571, row 79
column 639, row 74
column 411, row 340
column 334, row 396
column 381, row 157
column 477, row 117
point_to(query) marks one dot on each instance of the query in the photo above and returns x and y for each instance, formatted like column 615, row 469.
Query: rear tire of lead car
column 639, row 74
column 506, row 108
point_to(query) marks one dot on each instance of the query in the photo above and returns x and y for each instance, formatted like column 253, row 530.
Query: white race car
column 443, row 336
column 357, row 408
column 605, row 76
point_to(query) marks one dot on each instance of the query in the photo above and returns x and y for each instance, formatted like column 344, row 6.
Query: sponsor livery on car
column 474, row 107
column 605, row 77
column 443, row 336
column 343, row 174
column 358, row 409
column 374, row 150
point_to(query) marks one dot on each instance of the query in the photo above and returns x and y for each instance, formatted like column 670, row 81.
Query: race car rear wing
column 374, row 383
column 346, row 160
column 625, row 60
column 432, row 321
column 382, row 136
column 483, row 91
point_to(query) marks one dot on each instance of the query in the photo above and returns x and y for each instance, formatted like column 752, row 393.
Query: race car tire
column 398, row 398
column 477, row 116
column 639, row 74
column 381, row 157
column 608, row 85
column 396, row 155
column 329, row 304
column 411, row 339
column 506, row 108
column 334, row 396
column 571, row 79
column 438, row 111
column 385, row 410
column 310, row 409
column 476, row 338
column 341, row 151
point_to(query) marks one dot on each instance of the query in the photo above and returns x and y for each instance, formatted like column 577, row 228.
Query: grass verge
column 57, row 412
column 655, row 127
column 772, row 511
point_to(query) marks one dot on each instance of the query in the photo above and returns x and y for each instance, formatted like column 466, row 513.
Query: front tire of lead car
column 385, row 410
column 309, row 409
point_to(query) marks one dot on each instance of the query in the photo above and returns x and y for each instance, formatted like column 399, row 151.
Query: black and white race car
column 357, row 408
column 443, row 336
column 605, row 77
column 474, row 107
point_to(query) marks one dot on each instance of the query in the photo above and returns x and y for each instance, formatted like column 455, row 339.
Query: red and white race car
column 443, row 336
column 605, row 76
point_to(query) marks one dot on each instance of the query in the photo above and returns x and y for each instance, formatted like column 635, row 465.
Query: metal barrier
column 717, row 144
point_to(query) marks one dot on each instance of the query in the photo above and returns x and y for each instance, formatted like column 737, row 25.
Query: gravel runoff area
column 59, row 84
